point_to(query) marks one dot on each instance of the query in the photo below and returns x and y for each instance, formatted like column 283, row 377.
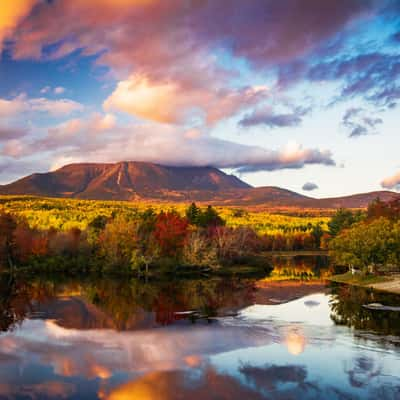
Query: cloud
column 54, row 107
column 59, row 90
column 9, row 108
column 14, row 148
column 271, row 37
column 159, row 144
column 310, row 186
column 173, row 48
column 396, row 37
column 392, row 182
column 22, row 104
column 78, row 133
column 169, row 102
column 7, row 133
column 11, row 14
column 374, row 75
column 359, row 123
column 268, row 117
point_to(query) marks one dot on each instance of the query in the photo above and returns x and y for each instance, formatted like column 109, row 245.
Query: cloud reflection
column 295, row 341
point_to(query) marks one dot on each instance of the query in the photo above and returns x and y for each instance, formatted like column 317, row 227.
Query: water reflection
column 295, row 340
column 124, row 339
column 347, row 309
column 301, row 268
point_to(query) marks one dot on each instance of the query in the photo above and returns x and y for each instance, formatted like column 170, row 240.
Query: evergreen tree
column 193, row 214
column 343, row 219
column 210, row 217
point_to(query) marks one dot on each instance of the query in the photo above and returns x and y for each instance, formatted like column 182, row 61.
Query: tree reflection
column 302, row 268
column 118, row 304
column 347, row 309
column 17, row 299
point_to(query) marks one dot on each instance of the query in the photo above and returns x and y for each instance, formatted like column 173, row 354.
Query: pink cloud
column 169, row 102
column 392, row 182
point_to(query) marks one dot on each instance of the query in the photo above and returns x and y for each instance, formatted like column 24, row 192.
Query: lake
column 286, row 336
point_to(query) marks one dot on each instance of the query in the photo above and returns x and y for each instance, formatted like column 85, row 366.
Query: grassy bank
column 385, row 283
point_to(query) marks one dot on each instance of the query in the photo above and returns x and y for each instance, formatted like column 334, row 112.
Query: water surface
column 285, row 337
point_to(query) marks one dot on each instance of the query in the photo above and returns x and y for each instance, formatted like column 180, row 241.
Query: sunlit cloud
column 11, row 14
column 168, row 102
column 392, row 182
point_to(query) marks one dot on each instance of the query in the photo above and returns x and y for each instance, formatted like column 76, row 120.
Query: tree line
column 369, row 240
column 142, row 241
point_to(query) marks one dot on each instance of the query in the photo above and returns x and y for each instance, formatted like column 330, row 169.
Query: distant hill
column 360, row 200
column 275, row 197
column 147, row 181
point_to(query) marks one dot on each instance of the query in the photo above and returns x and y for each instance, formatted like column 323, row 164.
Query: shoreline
column 295, row 253
column 389, row 284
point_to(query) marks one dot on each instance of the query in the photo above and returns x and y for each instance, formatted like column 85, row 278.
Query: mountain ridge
column 132, row 180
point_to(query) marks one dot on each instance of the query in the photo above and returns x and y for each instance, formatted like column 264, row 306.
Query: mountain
column 275, row 197
column 357, row 200
column 122, row 181
column 140, row 180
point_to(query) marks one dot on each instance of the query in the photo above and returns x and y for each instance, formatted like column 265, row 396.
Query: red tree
column 170, row 233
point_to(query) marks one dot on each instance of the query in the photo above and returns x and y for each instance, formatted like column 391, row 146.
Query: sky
column 301, row 94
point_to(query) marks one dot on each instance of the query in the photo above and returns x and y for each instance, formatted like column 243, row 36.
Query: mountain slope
column 122, row 181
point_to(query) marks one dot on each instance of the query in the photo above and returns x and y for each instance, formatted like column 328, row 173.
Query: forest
column 123, row 237
column 42, row 234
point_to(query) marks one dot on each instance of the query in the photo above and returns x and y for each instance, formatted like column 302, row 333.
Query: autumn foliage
column 170, row 233
column 128, row 240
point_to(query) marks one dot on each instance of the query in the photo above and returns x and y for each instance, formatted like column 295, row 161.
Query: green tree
column 210, row 217
column 341, row 220
column 317, row 232
column 193, row 214
column 376, row 243
column 8, row 225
